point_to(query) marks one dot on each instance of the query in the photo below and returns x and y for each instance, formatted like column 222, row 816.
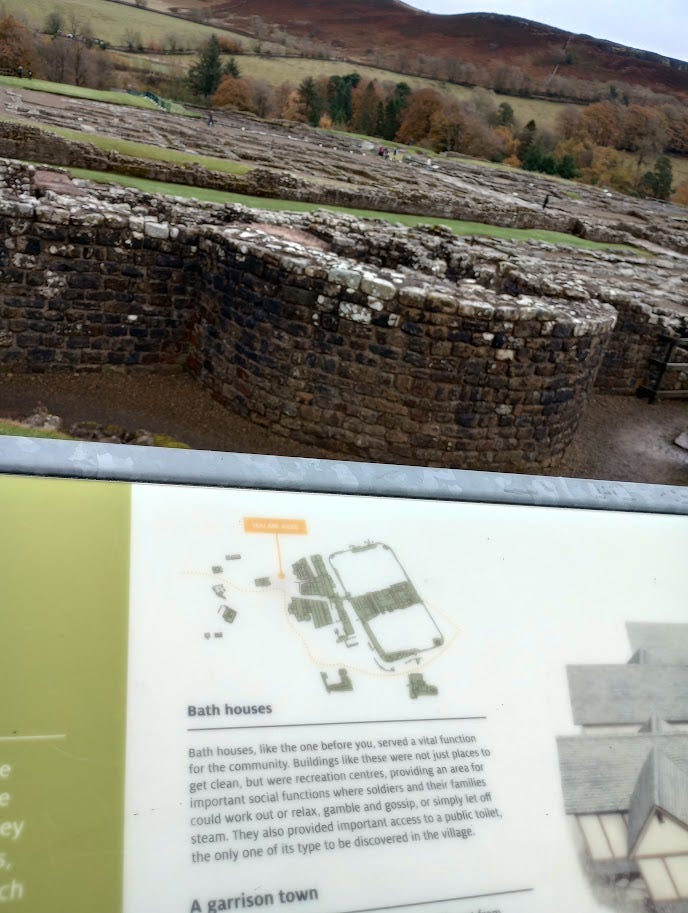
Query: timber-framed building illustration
column 625, row 777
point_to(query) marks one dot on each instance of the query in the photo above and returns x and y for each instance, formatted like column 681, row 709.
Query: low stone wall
column 22, row 141
column 384, row 364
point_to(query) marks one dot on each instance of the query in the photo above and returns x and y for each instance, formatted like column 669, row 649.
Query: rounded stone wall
column 392, row 365
column 389, row 364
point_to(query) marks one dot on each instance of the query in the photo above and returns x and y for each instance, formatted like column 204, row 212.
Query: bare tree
column 55, row 59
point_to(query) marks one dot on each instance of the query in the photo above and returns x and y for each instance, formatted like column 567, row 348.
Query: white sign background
column 522, row 592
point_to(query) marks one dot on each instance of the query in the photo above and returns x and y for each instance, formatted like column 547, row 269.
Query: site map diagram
column 355, row 609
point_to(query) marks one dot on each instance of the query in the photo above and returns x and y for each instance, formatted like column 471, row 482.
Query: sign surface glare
column 232, row 699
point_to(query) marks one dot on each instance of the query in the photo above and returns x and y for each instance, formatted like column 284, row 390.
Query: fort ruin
column 382, row 342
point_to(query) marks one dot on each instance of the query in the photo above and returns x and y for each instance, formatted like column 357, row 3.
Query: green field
column 112, row 21
column 59, row 88
column 459, row 228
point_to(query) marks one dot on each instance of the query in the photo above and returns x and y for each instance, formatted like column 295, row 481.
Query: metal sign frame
column 126, row 463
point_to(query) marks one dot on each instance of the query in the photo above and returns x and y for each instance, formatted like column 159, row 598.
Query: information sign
column 229, row 699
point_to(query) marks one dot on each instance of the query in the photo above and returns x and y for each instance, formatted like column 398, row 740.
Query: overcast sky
column 660, row 25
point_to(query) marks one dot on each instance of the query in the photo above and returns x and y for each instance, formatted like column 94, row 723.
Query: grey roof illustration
column 642, row 767
column 656, row 724
column 663, row 784
column 629, row 693
column 599, row 774
column 663, row 643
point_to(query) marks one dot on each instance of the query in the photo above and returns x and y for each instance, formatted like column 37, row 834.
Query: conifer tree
column 205, row 75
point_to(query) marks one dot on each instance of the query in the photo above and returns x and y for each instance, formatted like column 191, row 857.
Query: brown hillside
column 358, row 27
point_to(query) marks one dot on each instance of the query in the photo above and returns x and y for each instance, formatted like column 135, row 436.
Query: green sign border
column 64, row 573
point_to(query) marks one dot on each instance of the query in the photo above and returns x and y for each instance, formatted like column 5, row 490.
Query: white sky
column 660, row 26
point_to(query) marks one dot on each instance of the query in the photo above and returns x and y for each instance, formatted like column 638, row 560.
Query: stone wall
column 649, row 295
column 388, row 365
column 385, row 364
column 640, row 336
column 23, row 141
column 84, row 296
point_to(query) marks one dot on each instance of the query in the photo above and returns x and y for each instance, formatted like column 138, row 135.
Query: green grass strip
column 14, row 429
column 458, row 227
column 59, row 88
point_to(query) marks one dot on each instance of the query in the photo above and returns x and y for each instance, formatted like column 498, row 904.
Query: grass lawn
column 138, row 150
column 459, row 228
column 59, row 88
column 15, row 429
column 111, row 22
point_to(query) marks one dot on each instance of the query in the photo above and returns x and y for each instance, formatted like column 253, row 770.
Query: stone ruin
column 369, row 339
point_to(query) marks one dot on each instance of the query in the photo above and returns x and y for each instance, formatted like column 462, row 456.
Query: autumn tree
column 446, row 128
column 292, row 106
column 417, row 122
column 484, row 104
column 281, row 100
column 55, row 56
column 676, row 120
column 646, row 132
column 510, row 146
column 609, row 168
column 17, row 45
column 233, row 93
column 603, row 124
column 70, row 61
column 263, row 98
column 569, row 122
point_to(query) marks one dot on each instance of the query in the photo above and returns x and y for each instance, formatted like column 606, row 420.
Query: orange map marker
column 276, row 526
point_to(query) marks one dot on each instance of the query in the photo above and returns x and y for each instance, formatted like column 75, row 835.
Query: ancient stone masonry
column 384, row 363
column 361, row 337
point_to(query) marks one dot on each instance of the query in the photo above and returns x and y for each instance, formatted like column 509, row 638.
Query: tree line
column 613, row 143
column 68, row 52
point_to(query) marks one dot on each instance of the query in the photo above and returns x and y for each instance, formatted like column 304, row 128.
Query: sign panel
column 233, row 699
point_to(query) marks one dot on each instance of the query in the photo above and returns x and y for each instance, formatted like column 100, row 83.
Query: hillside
column 362, row 28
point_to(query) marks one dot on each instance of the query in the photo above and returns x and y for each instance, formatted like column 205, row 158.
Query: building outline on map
column 364, row 599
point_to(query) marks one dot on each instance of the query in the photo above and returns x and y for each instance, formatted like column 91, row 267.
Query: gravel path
column 619, row 438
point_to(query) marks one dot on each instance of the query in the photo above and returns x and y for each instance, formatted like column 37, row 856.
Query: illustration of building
column 367, row 596
column 625, row 778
